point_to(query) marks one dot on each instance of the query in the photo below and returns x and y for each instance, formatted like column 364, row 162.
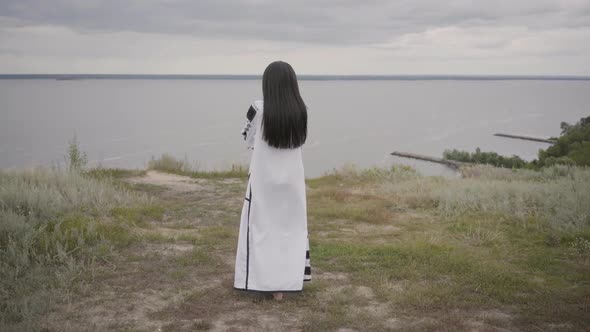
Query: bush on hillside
column 488, row 158
column 572, row 146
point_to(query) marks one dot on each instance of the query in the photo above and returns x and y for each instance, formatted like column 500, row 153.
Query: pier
column 528, row 138
column 451, row 163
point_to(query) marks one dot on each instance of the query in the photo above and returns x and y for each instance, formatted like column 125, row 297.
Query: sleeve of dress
column 249, row 130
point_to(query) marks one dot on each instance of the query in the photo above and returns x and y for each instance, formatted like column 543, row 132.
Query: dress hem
column 268, row 291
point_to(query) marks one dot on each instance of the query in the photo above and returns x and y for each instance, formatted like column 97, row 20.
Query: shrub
column 76, row 159
column 572, row 146
column 169, row 164
column 489, row 158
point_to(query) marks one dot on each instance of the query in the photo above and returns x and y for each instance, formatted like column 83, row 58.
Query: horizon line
column 318, row 77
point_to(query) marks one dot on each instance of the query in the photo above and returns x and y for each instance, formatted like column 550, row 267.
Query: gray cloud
column 329, row 21
column 319, row 36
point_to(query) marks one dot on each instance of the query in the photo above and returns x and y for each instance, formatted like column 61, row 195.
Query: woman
column 273, row 247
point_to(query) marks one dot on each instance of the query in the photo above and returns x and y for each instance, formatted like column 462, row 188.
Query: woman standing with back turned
column 273, row 246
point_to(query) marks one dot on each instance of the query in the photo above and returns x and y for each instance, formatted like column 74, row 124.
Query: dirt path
column 172, row 182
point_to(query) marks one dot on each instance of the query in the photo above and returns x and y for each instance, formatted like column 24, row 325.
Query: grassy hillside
column 390, row 250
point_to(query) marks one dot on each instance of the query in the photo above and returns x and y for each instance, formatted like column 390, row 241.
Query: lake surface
column 123, row 123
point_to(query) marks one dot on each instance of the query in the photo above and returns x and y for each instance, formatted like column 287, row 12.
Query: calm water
column 123, row 123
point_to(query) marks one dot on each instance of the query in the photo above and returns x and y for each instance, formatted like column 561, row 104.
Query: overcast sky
column 541, row 37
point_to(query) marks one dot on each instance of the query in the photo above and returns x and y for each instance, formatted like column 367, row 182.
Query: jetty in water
column 457, row 164
column 528, row 138
column 451, row 163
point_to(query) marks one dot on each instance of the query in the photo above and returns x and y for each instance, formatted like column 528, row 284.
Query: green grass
column 113, row 173
column 516, row 240
column 217, row 237
column 198, row 256
column 137, row 214
column 467, row 279
column 331, row 205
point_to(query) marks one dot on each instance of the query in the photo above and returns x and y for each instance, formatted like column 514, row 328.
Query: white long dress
column 273, row 246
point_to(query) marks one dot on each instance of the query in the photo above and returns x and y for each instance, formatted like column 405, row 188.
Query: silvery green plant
column 76, row 159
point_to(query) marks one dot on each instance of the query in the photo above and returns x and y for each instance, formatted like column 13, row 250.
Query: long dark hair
column 284, row 120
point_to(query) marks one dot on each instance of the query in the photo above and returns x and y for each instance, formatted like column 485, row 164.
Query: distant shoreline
column 67, row 77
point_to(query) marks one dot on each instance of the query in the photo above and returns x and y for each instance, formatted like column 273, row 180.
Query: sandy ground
column 172, row 182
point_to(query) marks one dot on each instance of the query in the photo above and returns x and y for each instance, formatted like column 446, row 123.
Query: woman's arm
column 249, row 131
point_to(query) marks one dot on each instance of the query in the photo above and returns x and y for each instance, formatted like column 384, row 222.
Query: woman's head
column 284, row 120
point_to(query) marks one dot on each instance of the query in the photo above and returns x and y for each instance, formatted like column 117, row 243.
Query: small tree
column 572, row 146
column 76, row 159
